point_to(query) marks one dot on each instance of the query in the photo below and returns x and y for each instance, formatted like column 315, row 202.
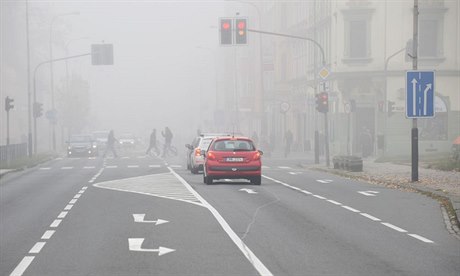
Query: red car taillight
column 211, row 156
column 197, row 152
column 256, row 156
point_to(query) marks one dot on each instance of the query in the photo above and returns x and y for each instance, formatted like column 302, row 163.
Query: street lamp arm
column 392, row 56
column 296, row 37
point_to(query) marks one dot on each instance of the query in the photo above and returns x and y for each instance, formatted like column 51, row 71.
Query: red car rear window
column 233, row 145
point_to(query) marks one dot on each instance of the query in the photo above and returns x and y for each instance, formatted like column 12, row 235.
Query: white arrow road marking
column 249, row 191
column 324, row 181
column 140, row 218
column 136, row 245
column 425, row 96
column 368, row 193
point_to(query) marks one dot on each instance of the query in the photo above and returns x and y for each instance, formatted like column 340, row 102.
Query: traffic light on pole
column 226, row 31
column 9, row 104
column 322, row 102
column 241, row 31
column 38, row 109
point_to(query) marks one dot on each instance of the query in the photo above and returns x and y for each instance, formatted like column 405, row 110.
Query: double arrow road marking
column 135, row 244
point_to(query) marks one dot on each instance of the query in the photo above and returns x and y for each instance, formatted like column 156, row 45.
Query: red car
column 232, row 158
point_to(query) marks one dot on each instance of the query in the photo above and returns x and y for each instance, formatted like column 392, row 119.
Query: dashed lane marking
column 372, row 218
column 37, row 248
column 22, row 266
column 66, row 168
column 133, row 166
column 48, row 234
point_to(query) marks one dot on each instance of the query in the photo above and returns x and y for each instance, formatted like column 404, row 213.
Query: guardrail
column 10, row 153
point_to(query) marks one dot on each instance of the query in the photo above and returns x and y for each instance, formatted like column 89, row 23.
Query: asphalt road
column 138, row 215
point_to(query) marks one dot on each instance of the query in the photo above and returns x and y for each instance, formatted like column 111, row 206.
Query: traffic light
column 9, row 103
column 390, row 108
column 241, row 31
column 226, row 31
column 38, row 109
column 322, row 102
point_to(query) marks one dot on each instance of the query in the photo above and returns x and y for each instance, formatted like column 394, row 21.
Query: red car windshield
column 233, row 145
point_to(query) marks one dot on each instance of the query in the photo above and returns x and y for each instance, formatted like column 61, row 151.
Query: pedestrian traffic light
column 322, row 102
column 226, row 36
column 390, row 108
column 9, row 103
column 38, row 109
column 241, row 31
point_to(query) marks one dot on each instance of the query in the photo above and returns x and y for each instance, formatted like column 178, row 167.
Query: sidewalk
column 443, row 186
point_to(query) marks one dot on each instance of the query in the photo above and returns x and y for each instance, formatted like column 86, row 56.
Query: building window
column 431, row 29
column 357, row 24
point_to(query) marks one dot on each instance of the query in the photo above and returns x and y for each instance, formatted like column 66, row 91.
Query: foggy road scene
column 230, row 137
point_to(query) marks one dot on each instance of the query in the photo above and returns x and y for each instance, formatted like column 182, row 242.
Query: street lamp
column 51, row 68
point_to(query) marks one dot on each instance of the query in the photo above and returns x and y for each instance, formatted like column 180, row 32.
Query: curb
column 450, row 205
column 25, row 167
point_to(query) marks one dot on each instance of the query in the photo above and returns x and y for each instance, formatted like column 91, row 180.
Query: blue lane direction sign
column 420, row 94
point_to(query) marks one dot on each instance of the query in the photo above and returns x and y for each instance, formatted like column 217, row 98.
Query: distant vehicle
column 128, row 140
column 232, row 158
column 195, row 160
column 82, row 145
column 101, row 138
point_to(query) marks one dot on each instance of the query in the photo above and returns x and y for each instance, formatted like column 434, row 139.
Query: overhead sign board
column 420, row 94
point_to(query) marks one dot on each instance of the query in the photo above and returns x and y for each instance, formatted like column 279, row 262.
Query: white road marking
column 73, row 201
column 421, row 238
column 133, row 166
column 370, row 217
column 84, row 188
column 45, row 168
column 142, row 157
column 37, row 248
column 294, row 173
column 394, row 227
column 284, row 167
column 318, row 196
column 81, row 191
column 66, row 168
column 324, row 181
column 154, row 166
column 125, row 157
column 306, row 192
column 136, row 245
column 250, row 256
column 265, row 167
column 91, row 158
column 77, row 196
column 368, row 193
column 176, row 166
column 351, row 209
column 48, row 234
column 89, row 167
column 68, row 207
column 334, row 202
column 22, row 266
column 59, row 158
column 56, row 223
column 249, row 191
column 140, row 218
column 111, row 167
column 63, row 215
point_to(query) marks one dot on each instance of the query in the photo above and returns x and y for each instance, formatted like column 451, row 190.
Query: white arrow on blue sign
column 420, row 94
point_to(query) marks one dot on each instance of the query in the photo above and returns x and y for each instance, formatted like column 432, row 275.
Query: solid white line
column 394, row 227
column 306, row 192
column 62, row 215
column 318, row 196
column 37, row 248
column 252, row 258
column 421, row 238
column 334, row 202
column 73, row 201
column 370, row 217
column 77, row 196
column 22, row 266
column 56, row 223
column 47, row 235
column 68, row 207
column 350, row 209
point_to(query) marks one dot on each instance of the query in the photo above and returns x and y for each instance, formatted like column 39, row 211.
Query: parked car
column 82, row 145
column 232, row 158
column 195, row 160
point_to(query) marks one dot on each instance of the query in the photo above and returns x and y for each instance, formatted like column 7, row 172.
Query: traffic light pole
column 316, row 142
column 35, row 91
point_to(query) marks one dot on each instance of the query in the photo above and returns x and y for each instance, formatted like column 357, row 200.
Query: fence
column 12, row 152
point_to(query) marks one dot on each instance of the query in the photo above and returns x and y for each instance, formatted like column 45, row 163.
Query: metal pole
column 29, row 94
column 414, row 132
column 7, row 127
column 326, row 137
